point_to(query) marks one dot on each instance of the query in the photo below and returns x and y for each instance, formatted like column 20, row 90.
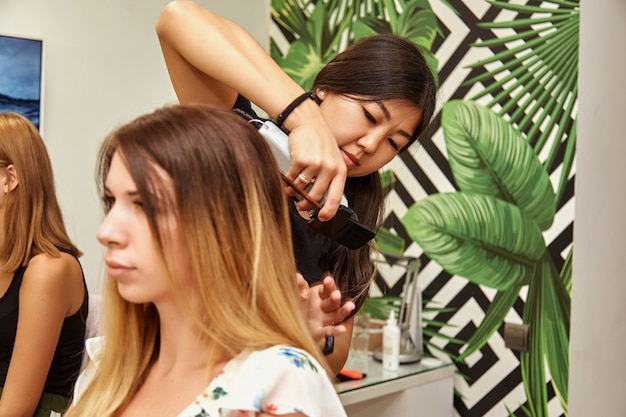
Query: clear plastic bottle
column 391, row 343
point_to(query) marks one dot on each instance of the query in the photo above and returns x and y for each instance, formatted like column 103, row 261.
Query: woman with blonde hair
column 43, row 296
column 201, row 313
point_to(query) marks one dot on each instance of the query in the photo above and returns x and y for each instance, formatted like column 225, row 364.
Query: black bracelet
column 329, row 347
column 285, row 113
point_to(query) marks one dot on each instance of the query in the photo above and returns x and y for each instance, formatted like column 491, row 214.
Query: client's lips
column 116, row 269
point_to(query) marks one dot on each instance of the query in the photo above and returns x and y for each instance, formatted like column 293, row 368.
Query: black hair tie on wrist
column 329, row 347
column 291, row 107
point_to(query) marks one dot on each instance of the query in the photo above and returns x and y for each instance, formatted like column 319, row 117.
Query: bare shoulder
column 48, row 267
column 54, row 278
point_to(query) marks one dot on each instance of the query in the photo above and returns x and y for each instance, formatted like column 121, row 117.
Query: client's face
column 132, row 256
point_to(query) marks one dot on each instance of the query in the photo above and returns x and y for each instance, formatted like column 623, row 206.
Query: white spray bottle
column 391, row 343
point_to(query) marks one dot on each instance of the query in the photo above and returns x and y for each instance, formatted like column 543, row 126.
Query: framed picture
column 21, row 76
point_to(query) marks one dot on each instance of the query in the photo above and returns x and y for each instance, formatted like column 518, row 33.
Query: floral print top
column 277, row 380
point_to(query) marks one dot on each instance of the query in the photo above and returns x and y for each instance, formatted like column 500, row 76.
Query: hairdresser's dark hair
column 379, row 67
column 383, row 67
column 353, row 269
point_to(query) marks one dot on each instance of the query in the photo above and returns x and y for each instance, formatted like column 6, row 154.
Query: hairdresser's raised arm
column 211, row 59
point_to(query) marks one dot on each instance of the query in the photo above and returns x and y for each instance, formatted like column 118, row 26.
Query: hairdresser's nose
column 111, row 232
column 370, row 142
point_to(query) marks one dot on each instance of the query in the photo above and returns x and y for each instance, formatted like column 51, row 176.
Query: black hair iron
column 344, row 227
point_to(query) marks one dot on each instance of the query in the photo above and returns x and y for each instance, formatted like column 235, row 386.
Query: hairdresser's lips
column 349, row 159
column 117, row 270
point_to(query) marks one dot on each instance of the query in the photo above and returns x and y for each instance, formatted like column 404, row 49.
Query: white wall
column 598, row 331
column 103, row 67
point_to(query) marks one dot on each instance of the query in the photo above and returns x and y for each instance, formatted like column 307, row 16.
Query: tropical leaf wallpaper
column 485, row 203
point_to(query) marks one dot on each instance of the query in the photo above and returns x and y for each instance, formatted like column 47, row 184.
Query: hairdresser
column 366, row 106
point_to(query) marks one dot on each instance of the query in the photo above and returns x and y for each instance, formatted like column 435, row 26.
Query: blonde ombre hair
column 33, row 222
column 229, row 200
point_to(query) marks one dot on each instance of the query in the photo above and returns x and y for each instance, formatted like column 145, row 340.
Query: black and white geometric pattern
column 491, row 382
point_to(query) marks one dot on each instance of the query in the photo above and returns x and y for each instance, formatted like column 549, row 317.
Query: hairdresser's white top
column 278, row 380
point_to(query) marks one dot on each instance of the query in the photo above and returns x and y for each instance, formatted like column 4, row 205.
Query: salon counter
column 423, row 389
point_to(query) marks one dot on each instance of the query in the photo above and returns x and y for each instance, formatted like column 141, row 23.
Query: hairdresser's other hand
column 315, row 154
column 324, row 308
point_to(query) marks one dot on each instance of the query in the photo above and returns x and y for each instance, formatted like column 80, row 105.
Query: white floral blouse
column 277, row 380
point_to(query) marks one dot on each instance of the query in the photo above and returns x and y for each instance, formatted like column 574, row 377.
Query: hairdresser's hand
column 315, row 154
column 325, row 312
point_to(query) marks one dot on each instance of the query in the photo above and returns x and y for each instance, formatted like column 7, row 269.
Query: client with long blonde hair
column 201, row 312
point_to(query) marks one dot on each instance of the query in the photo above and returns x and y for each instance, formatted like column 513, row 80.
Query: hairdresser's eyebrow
column 387, row 115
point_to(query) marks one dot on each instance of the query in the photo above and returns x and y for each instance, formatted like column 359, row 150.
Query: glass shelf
column 375, row 374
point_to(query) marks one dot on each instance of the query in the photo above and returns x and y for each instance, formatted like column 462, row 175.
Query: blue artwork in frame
column 21, row 76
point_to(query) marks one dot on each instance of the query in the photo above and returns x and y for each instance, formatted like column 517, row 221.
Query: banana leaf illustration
column 547, row 312
column 484, row 239
column 490, row 233
column 489, row 156
column 532, row 362
column 317, row 39
column 413, row 19
column 566, row 272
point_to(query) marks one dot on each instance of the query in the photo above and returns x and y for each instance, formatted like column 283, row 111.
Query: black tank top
column 67, row 358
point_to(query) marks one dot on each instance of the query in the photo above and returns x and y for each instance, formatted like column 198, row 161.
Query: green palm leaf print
column 484, row 239
column 489, row 156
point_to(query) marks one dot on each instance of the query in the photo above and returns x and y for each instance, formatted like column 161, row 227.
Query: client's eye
column 138, row 204
column 107, row 202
